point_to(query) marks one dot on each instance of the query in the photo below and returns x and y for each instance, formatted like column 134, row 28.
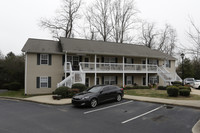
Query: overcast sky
column 19, row 18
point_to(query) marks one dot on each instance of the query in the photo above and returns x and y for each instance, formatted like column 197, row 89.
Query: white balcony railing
column 116, row 67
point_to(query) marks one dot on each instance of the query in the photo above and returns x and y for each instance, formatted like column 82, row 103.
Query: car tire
column 93, row 103
column 119, row 98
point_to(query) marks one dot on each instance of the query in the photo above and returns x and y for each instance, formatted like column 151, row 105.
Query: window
column 86, row 60
column 168, row 63
column 129, row 80
column 129, row 61
column 44, row 58
column 153, row 79
column 87, row 82
column 110, row 80
column 153, row 61
column 97, row 81
column 43, row 82
column 110, row 60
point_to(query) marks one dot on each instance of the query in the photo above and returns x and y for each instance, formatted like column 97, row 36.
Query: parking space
column 113, row 117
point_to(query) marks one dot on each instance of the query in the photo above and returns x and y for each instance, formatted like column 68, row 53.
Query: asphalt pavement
column 114, row 117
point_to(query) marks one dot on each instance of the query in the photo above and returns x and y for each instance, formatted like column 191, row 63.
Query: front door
column 74, row 61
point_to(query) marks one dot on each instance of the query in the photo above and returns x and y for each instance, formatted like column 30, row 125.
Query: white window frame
column 109, row 80
column 167, row 63
column 153, row 62
column 153, row 79
column 44, row 59
column 109, row 59
column 87, row 65
column 44, row 79
column 129, row 61
column 129, row 79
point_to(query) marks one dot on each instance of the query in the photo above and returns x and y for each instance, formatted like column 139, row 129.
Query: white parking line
column 106, row 107
column 142, row 114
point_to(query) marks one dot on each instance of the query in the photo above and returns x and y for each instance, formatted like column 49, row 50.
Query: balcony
column 89, row 67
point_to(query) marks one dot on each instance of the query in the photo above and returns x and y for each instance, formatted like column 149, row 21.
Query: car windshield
column 197, row 80
column 190, row 80
column 95, row 89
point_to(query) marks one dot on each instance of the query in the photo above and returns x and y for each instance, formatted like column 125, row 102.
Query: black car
column 98, row 94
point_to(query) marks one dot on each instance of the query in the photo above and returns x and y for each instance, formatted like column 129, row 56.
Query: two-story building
column 50, row 64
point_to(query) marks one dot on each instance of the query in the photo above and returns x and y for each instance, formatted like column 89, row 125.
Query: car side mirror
column 101, row 92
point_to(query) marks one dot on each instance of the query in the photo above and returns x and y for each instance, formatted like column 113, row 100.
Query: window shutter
column 132, row 60
column 169, row 63
column 147, row 61
column 116, row 80
column 38, row 59
column 63, row 59
column 102, row 80
column 125, row 60
column 102, row 59
column 80, row 58
column 158, row 62
column 50, row 59
column 132, row 80
column 38, row 82
column 116, row 60
column 49, row 82
column 158, row 79
column 125, row 80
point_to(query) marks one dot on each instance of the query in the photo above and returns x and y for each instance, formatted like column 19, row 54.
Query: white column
column 123, row 73
column 146, row 72
column 26, row 59
column 65, row 66
column 95, row 67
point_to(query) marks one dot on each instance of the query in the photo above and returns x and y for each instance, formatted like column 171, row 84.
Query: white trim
column 95, row 68
column 26, row 59
column 43, row 59
column 44, row 82
column 123, row 73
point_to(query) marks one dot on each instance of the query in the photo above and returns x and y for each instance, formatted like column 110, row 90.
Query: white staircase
column 167, row 77
column 73, row 78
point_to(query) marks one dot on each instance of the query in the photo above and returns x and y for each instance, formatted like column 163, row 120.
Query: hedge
column 172, row 91
column 184, row 92
column 136, row 87
column 62, row 91
column 14, row 86
column 162, row 88
column 80, row 87
column 184, row 87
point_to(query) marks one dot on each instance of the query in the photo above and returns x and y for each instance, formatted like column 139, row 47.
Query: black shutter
column 116, row 60
column 158, row 62
column 63, row 59
column 169, row 64
column 80, row 58
column 102, row 59
column 132, row 80
column 125, row 60
column 49, row 82
column 125, row 80
column 38, row 82
column 102, row 80
column 38, row 59
column 147, row 61
column 158, row 79
column 132, row 60
column 50, row 59
column 116, row 80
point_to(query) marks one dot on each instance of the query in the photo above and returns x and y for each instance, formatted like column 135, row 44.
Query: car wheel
column 93, row 103
column 119, row 98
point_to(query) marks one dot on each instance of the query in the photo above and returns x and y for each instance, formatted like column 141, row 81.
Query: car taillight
column 122, row 89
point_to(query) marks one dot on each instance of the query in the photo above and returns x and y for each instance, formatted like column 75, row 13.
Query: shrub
column 184, row 92
column 79, row 86
column 162, row 88
column 136, row 87
column 184, row 87
column 63, row 91
column 128, row 87
column 176, row 83
column 14, row 86
column 172, row 91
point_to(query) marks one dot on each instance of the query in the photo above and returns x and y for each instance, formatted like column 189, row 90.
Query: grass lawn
column 158, row 94
column 19, row 94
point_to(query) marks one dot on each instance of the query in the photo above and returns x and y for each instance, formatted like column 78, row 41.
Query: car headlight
column 84, row 98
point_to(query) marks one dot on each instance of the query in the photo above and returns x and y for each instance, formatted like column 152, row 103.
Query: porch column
column 65, row 66
column 95, row 67
column 123, row 72
column 146, row 72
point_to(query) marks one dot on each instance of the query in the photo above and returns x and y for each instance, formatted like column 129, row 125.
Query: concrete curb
column 28, row 100
column 196, row 128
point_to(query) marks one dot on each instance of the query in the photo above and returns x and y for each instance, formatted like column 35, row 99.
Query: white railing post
column 95, row 68
column 123, row 72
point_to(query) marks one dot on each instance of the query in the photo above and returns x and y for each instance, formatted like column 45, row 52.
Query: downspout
column 25, row 80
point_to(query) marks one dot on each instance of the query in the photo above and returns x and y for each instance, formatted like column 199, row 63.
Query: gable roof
column 41, row 46
column 110, row 48
column 82, row 46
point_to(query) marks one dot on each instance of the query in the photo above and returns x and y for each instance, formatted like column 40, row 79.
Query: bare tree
column 98, row 16
column 167, row 40
column 63, row 23
column 122, row 18
column 194, row 37
column 149, row 34
column 1, row 55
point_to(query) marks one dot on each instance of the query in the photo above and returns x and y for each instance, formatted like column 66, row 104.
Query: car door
column 106, row 94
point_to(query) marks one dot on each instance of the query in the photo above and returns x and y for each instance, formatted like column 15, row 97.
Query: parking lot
column 113, row 117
